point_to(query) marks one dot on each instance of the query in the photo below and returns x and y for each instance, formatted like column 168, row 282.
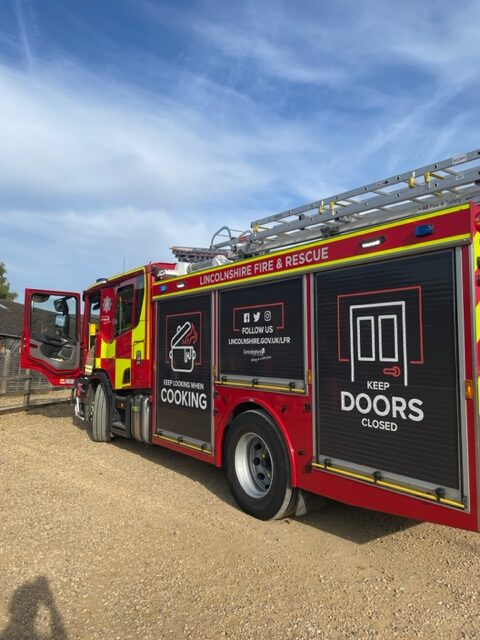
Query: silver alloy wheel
column 253, row 465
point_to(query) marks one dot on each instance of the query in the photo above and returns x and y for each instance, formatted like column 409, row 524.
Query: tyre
column 258, row 467
column 88, row 406
column 100, row 417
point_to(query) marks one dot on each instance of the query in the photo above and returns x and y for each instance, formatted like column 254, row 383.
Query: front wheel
column 100, row 416
column 258, row 467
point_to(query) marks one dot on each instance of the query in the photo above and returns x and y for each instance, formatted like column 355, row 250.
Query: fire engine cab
column 329, row 349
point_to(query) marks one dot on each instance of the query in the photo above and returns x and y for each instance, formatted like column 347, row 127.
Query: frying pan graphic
column 182, row 356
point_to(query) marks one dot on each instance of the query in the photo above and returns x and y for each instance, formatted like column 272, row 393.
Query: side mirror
column 61, row 305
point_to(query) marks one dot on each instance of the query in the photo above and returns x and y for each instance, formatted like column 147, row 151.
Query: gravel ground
column 121, row 541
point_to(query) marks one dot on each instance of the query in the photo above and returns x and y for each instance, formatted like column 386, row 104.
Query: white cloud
column 65, row 142
column 93, row 172
column 275, row 58
column 24, row 39
column 70, row 251
column 346, row 44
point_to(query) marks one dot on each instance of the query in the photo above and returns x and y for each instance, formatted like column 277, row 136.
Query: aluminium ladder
column 431, row 187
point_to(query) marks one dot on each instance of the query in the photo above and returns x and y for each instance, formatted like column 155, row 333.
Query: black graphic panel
column 184, row 367
column 261, row 331
column 387, row 367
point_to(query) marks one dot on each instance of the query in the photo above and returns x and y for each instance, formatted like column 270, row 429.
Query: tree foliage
column 5, row 293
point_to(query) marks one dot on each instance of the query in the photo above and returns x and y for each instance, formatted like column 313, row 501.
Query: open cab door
column 51, row 335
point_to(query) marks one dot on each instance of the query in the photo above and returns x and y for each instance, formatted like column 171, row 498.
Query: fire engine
column 330, row 349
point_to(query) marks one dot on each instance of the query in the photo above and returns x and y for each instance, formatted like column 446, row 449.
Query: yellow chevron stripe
column 107, row 349
column 121, row 365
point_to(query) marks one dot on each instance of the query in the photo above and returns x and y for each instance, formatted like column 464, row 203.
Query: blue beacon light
column 424, row 230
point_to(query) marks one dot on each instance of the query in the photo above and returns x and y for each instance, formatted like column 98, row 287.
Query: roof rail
column 428, row 188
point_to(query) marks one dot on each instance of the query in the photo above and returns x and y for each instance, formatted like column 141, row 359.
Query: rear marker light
column 424, row 230
column 373, row 242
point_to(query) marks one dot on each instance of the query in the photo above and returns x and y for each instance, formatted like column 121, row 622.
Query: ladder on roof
column 433, row 186
column 195, row 254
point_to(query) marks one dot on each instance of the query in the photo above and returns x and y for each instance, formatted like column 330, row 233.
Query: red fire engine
column 330, row 349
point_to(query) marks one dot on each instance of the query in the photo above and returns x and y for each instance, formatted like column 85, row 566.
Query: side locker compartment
column 390, row 376
column 183, row 371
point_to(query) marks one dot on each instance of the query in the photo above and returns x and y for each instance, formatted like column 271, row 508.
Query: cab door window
column 139, row 291
column 94, row 309
column 124, row 311
column 53, row 317
column 128, row 305
column 92, row 318
column 53, row 324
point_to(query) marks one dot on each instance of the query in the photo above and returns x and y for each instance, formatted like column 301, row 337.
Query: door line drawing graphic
column 363, row 315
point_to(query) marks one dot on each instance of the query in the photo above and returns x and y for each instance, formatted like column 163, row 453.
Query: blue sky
column 129, row 126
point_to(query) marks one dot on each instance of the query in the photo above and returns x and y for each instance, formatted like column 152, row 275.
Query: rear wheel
column 258, row 467
column 100, row 417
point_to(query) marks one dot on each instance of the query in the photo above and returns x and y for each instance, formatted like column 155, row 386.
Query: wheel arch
column 247, row 404
column 99, row 376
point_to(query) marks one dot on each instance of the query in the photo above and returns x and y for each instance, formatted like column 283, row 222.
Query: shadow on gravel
column 351, row 523
column 208, row 475
column 25, row 606
column 359, row 526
